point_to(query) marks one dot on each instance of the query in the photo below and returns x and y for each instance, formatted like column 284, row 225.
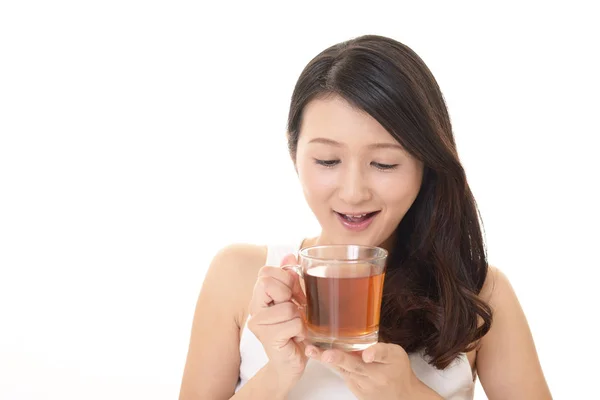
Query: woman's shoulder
column 239, row 257
column 238, row 263
column 233, row 271
column 507, row 352
column 498, row 293
column 495, row 285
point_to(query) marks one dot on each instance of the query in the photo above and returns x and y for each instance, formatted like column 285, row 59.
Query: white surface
column 126, row 163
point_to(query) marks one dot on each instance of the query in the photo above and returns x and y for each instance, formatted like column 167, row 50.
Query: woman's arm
column 507, row 361
column 212, row 365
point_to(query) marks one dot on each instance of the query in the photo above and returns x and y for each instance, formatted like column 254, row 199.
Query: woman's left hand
column 380, row 372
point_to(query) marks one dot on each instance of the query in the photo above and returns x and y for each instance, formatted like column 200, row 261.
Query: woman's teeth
column 356, row 217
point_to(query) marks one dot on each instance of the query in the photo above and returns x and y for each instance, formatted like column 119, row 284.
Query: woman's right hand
column 276, row 320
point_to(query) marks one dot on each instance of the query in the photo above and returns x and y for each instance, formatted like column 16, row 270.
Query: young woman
column 372, row 143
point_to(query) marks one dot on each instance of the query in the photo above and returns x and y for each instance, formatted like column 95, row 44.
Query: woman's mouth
column 356, row 221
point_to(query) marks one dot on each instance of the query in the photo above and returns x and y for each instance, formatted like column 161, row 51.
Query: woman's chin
column 336, row 240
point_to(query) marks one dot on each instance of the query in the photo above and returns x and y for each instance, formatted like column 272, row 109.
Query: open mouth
column 356, row 222
column 357, row 217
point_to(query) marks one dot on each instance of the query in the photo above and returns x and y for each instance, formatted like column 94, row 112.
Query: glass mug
column 343, row 285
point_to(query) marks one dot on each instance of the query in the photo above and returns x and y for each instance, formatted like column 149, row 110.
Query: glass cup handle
column 294, row 268
column 298, row 270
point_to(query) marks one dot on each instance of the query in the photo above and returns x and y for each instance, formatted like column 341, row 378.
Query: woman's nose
column 354, row 188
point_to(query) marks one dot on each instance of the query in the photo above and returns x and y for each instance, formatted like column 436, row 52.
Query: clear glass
column 343, row 286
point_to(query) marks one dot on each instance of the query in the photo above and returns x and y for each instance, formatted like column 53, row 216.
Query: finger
column 362, row 382
column 348, row 362
column 271, row 291
column 313, row 352
column 382, row 353
column 289, row 259
column 297, row 290
column 378, row 353
column 261, row 297
column 293, row 329
column 277, row 273
column 277, row 314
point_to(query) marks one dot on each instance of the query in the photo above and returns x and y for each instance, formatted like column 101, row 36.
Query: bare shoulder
column 495, row 282
column 507, row 360
column 496, row 288
column 212, row 363
column 239, row 258
column 233, row 271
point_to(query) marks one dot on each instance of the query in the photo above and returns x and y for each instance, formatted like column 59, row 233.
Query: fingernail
column 309, row 352
column 368, row 357
column 328, row 358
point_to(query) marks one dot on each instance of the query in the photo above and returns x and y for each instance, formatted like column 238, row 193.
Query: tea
column 343, row 303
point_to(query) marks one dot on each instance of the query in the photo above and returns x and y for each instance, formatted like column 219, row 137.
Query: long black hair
column 438, row 263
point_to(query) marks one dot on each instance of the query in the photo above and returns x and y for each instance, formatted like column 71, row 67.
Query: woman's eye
column 384, row 167
column 327, row 163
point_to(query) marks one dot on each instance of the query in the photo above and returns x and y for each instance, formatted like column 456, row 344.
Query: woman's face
column 357, row 179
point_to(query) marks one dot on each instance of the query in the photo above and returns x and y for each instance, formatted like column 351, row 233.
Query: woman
column 372, row 143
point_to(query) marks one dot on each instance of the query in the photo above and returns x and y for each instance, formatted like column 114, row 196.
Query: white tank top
column 456, row 382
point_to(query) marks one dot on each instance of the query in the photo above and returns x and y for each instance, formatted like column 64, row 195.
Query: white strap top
column 319, row 382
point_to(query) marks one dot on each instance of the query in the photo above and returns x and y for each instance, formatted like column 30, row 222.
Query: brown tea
column 343, row 301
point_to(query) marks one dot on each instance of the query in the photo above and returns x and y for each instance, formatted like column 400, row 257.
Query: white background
column 138, row 138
